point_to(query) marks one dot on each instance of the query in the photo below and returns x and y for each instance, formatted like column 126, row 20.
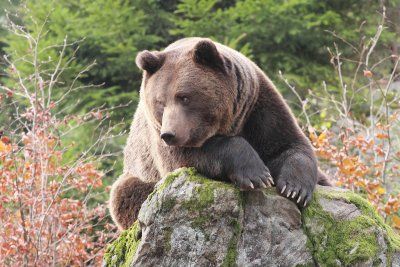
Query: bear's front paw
column 251, row 175
column 295, row 189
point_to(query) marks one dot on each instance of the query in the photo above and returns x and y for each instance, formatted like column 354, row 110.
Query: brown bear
column 207, row 106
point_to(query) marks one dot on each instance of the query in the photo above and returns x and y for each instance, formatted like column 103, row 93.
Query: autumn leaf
column 388, row 210
column 382, row 136
column 5, row 139
column 392, row 201
column 381, row 190
column 396, row 221
column 322, row 137
column 4, row 148
column 367, row 73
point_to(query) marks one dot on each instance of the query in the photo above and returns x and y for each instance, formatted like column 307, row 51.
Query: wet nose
column 168, row 137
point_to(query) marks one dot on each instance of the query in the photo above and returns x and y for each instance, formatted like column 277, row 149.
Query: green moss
column 122, row 250
column 310, row 264
column 201, row 221
column 348, row 241
column 167, row 205
column 194, row 176
column 204, row 194
column 231, row 254
column 393, row 239
column 167, row 238
column 202, row 199
column 168, row 180
column 191, row 171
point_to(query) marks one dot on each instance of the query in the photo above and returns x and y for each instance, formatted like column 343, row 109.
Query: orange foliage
column 45, row 217
column 362, row 165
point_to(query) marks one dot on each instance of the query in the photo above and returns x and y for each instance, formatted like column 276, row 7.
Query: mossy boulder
column 190, row 220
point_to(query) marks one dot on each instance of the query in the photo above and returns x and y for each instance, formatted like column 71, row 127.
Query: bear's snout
column 175, row 127
column 169, row 138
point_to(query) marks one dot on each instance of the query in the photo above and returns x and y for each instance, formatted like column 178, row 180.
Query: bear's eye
column 183, row 99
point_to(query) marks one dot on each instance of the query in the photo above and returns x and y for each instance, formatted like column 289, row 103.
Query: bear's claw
column 249, row 171
column 295, row 190
column 241, row 178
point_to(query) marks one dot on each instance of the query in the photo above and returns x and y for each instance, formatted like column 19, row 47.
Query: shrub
column 360, row 149
column 50, row 211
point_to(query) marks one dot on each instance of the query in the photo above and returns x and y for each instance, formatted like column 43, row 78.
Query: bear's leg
column 234, row 159
column 296, row 172
column 127, row 196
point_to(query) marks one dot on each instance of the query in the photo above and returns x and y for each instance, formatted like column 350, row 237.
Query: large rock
column 190, row 220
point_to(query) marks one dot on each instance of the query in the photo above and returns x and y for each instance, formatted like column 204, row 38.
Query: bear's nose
column 168, row 137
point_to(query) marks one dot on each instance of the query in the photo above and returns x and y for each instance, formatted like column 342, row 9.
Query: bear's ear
column 206, row 53
column 149, row 61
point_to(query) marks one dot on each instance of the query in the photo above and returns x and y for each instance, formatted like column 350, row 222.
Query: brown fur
column 125, row 192
column 224, row 117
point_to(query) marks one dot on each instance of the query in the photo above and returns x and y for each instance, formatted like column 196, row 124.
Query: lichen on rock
column 190, row 220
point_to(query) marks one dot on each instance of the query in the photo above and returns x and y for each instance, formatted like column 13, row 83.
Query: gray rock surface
column 190, row 220
column 271, row 233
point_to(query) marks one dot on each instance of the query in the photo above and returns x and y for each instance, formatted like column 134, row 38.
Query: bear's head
column 187, row 93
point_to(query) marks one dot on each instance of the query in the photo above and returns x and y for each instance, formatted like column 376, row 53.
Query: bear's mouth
column 198, row 138
column 183, row 145
column 188, row 143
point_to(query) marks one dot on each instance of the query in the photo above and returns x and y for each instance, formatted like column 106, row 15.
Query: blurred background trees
column 291, row 36
column 336, row 63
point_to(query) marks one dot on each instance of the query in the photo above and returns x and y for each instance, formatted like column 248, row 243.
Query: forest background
column 69, row 88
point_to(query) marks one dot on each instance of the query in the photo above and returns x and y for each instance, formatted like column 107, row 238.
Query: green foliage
column 280, row 35
column 102, row 37
column 109, row 33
